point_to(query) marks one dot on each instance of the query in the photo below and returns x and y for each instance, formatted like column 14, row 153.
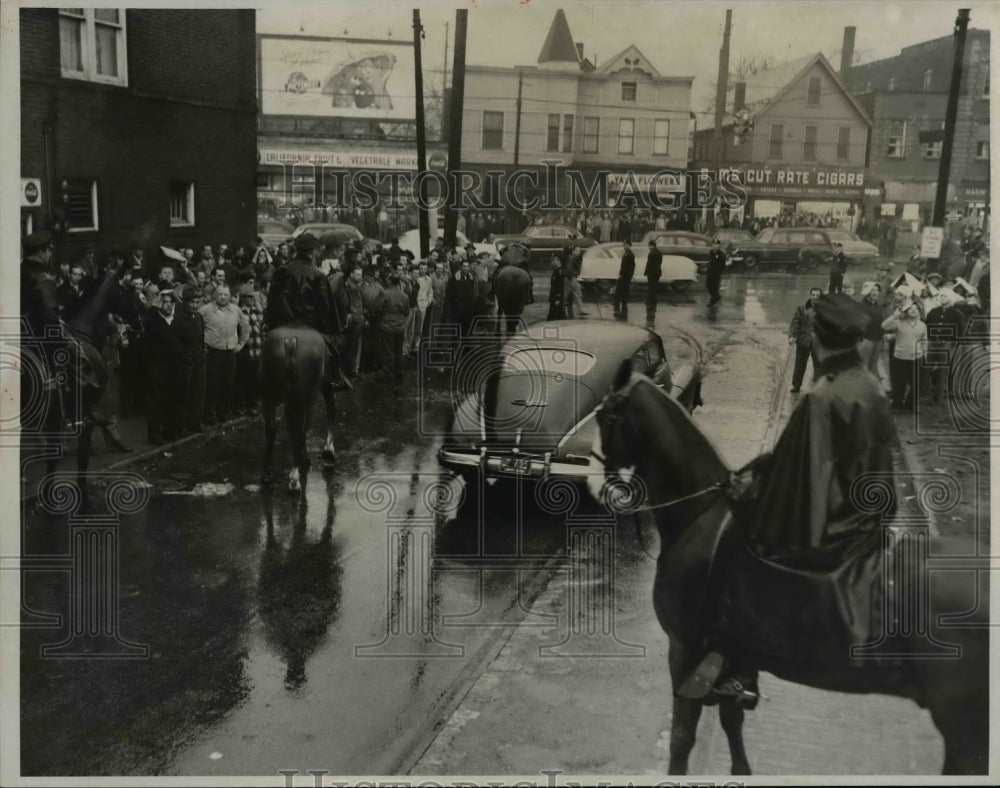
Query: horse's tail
column 291, row 344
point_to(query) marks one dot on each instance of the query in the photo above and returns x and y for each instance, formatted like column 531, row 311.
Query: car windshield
column 839, row 236
column 552, row 360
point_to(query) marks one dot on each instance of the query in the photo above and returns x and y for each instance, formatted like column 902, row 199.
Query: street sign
column 31, row 192
column 953, row 216
column 930, row 242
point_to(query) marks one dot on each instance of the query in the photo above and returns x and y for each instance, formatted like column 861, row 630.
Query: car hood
column 859, row 247
column 534, row 410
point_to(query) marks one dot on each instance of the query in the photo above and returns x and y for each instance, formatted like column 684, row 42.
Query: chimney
column 739, row 96
column 847, row 51
column 579, row 50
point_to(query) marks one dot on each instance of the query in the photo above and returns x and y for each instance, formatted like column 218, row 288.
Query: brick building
column 138, row 127
column 806, row 150
column 906, row 96
column 601, row 121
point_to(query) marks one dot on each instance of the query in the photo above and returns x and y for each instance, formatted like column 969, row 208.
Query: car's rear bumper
column 513, row 466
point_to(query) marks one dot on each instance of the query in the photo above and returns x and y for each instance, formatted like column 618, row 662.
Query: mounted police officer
column 802, row 525
column 300, row 293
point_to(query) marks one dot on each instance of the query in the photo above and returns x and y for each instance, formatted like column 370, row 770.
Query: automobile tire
column 750, row 262
column 702, row 269
column 808, row 262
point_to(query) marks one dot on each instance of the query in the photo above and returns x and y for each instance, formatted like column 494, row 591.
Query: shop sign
column 930, row 242
column 976, row 192
column 664, row 182
column 888, row 209
column 873, row 192
column 808, row 180
column 31, row 192
column 339, row 159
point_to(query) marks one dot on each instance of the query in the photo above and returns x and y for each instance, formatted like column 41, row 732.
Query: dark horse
column 648, row 443
column 512, row 286
column 88, row 325
column 293, row 370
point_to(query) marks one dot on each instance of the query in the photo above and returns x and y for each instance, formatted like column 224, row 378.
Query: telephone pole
column 721, row 88
column 517, row 120
column 444, row 71
column 418, row 76
column 455, row 133
column 944, row 171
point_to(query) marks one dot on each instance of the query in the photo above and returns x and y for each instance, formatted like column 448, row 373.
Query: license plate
column 519, row 465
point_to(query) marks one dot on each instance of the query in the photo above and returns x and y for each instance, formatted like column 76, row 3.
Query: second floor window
column 628, row 91
column 892, row 84
column 896, row 149
column 626, row 135
column 844, row 142
column 661, row 137
column 92, row 44
column 982, row 150
column 775, row 140
column 815, row 86
column 81, row 207
column 809, row 146
column 492, row 131
column 552, row 139
column 567, row 133
column 181, row 204
column 591, row 135
column 928, row 79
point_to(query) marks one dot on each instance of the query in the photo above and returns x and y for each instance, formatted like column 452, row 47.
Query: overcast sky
column 680, row 38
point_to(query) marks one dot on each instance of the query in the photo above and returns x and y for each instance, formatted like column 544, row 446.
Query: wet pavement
column 368, row 629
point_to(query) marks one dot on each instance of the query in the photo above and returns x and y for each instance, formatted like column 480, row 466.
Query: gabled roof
column 559, row 46
column 629, row 58
column 766, row 87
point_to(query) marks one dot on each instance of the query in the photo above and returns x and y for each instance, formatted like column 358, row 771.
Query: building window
column 626, row 135
column 591, row 134
column 81, row 204
column 92, row 44
column 661, row 137
column 932, row 150
column 815, row 84
column 774, row 142
column 986, row 85
column 843, row 142
column 892, row 84
column 868, row 86
column 181, row 204
column 552, row 140
column 982, row 150
column 567, row 133
column 809, row 146
column 629, row 91
column 896, row 148
column 928, row 78
column 492, row 130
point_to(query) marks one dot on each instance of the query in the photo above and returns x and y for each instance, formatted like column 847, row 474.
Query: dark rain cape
column 806, row 582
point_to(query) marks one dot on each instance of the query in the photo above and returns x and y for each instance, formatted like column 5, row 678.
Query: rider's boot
column 717, row 678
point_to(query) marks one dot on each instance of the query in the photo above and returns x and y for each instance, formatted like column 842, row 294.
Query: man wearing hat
column 301, row 294
column 713, row 279
column 653, row 271
column 838, row 267
column 165, row 362
column 801, row 517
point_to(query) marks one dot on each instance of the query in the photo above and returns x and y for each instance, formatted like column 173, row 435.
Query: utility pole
column 455, row 133
column 721, row 88
column 517, row 120
column 444, row 71
column 418, row 77
column 944, row 171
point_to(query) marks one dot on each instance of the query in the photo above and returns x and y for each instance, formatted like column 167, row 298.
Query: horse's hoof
column 328, row 456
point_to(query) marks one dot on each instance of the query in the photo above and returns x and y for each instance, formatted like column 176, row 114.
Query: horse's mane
column 696, row 444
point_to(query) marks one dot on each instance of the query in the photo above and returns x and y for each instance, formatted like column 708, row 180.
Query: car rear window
column 553, row 360
column 699, row 242
column 815, row 238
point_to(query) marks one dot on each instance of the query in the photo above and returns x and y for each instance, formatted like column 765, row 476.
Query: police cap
column 305, row 242
column 840, row 320
column 40, row 240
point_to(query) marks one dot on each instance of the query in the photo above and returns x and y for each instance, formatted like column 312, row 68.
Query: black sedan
column 693, row 246
column 545, row 240
column 533, row 417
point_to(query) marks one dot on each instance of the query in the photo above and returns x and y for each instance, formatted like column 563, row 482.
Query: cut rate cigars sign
column 800, row 180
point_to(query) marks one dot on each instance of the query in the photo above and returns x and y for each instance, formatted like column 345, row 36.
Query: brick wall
column 187, row 114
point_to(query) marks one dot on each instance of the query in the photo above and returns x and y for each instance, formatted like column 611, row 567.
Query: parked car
column 345, row 232
column 601, row 264
column 410, row 242
column 533, row 416
column 694, row 246
column 785, row 248
column 731, row 237
column 545, row 240
column 273, row 232
column 855, row 249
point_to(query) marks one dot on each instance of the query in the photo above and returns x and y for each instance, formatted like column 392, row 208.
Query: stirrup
column 699, row 684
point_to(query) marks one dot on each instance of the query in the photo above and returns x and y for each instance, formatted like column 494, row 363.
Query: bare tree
column 747, row 66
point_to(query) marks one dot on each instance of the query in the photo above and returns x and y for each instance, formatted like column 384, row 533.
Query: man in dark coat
column 800, row 333
column 192, row 331
column 654, row 264
column 838, row 267
column 40, row 313
column 301, row 294
column 165, row 361
column 625, row 274
column 716, row 266
column 800, row 515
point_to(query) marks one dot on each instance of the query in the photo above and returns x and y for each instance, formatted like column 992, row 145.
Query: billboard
column 336, row 78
